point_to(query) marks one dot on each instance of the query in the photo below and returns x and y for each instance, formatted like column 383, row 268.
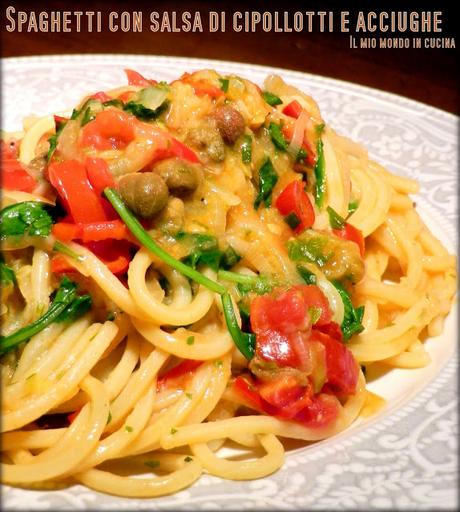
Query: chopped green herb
column 152, row 463
column 246, row 149
column 319, row 128
column 306, row 275
column 268, row 178
column 77, row 308
column 314, row 314
column 277, row 137
column 189, row 395
column 320, row 175
column 27, row 218
column 109, row 418
column 244, row 310
column 128, row 428
column 352, row 318
column 271, row 99
column 218, row 362
column 188, row 459
column 110, row 316
column 113, row 103
column 292, row 220
column 259, row 284
column 309, row 249
column 173, row 430
column 335, row 220
column 190, row 340
column 144, row 113
column 229, row 258
column 53, row 140
column 7, row 274
column 224, row 84
column 301, row 155
column 352, row 207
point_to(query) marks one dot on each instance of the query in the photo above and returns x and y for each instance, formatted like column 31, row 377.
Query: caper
column 145, row 193
column 229, row 122
column 180, row 177
column 207, row 139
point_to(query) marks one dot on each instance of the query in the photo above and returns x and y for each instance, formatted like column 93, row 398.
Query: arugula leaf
column 65, row 296
column 113, row 103
column 205, row 251
column 267, row 180
column 53, row 140
column 246, row 149
column 277, row 137
column 77, row 308
column 26, row 218
column 7, row 274
column 224, row 84
column 245, row 342
column 352, row 319
column 301, row 155
column 260, row 284
column 335, row 220
column 271, row 99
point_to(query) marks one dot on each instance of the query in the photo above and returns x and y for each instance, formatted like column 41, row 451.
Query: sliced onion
column 298, row 134
column 333, row 297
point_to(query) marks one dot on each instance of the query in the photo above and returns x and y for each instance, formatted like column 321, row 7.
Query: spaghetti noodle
column 273, row 262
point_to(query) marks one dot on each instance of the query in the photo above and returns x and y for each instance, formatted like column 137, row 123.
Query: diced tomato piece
column 315, row 298
column 135, row 78
column 320, row 413
column 349, row 232
column 91, row 232
column 282, row 310
column 101, row 96
column 178, row 373
column 293, row 109
column 202, row 87
column 69, row 178
column 286, row 395
column 99, row 174
column 126, row 96
column 111, row 129
column 277, row 347
column 294, row 200
column 332, row 329
column 342, row 368
column 247, row 390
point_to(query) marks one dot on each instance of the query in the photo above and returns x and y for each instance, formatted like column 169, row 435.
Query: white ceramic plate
column 404, row 458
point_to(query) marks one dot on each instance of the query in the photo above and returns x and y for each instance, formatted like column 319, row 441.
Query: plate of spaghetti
column 223, row 286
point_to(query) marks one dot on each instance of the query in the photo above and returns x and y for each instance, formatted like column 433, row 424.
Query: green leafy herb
column 277, row 137
column 77, row 308
column 335, row 220
column 301, row 155
column 27, row 218
column 260, row 284
column 113, row 103
column 189, row 395
column 128, row 428
column 352, row 207
column 143, row 113
column 7, row 274
column 188, row 459
column 152, row 463
column 246, row 149
column 314, row 314
column 245, row 342
column 306, row 275
column 229, row 258
column 319, row 128
column 109, row 418
column 53, row 140
column 271, row 99
column 352, row 319
column 190, row 340
column 65, row 296
column 244, row 310
column 173, row 430
column 292, row 220
column 224, row 84
column 111, row 316
column 267, row 180
column 320, row 175
column 218, row 362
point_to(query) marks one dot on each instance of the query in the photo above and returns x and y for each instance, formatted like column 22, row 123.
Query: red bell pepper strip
column 294, row 200
column 14, row 176
column 176, row 149
column 293, row 109
column 91, row 232
column 101, row 96
column 117, row 266
column 70, row 179
column 349, row 232
column 99, row 175
column 202, row 87
column 135, row 78
column 183, row 370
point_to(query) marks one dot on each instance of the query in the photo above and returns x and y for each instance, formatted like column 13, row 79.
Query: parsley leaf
column 7, row 274
column 277, row 137
column 271, row 99
column 352, row 319
column 268, row 178
column 27, row 218
column 335, row 220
